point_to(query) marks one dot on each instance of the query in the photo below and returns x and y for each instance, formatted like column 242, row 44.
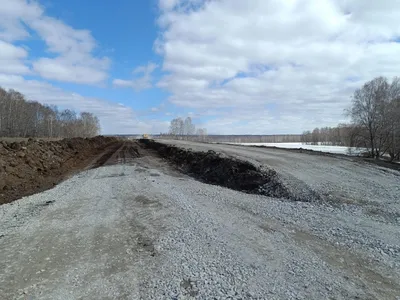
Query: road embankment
column 31, row 166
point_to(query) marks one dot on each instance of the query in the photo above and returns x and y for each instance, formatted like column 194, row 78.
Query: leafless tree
column 375, row 115
column 22, row 118
column 306, row 137
column 179, row 127
column 176, row 127
column 392, row 124
column 342, row 135
column 201, row 134
column 374, row 111
column 201, row 131
column 315, row 136
column 189, row 127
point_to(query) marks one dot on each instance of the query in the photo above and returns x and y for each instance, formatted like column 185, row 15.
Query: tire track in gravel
column 136, row 229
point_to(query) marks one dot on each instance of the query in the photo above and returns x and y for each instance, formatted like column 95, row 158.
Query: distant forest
column 334, row 136
column 22, row 118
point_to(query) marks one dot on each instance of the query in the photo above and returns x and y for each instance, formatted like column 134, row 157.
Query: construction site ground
column 136, row 220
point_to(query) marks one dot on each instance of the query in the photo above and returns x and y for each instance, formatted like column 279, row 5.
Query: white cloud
column 11, row 14
column 167, row 4
column 11, row 59
column 142, row 78
column 74, row 61
column 71, row 60
column 63, row 70
column 114, row 117
column 298, row 61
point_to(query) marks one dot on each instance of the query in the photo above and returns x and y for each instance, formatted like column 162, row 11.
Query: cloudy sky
column 234, row 66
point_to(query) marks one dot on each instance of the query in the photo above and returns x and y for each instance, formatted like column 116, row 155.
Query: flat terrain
column 324, row 148
column 135, row 228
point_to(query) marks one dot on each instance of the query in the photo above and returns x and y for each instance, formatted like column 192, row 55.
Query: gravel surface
column 140, row 230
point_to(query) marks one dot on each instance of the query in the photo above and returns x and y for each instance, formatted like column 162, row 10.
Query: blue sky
column 125, row 33
column 235, row 67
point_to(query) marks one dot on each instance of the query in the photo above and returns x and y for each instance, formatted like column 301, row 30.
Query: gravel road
column 140, row 230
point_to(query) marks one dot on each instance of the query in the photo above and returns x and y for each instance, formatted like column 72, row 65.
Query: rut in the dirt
column 108, row 153
column 214, row 168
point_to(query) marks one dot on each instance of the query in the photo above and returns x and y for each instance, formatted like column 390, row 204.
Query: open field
column 323, row 148
column 150, row 221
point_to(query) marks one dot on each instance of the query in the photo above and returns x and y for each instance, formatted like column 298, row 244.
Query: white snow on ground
column 329, row 149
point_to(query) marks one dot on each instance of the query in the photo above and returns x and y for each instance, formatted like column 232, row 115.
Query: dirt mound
column 213, row 168
column 31, row 166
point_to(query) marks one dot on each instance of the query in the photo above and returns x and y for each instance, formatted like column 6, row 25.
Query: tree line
column 375, row 121
column 333, row 136
column 22, row 118
column 180, row 127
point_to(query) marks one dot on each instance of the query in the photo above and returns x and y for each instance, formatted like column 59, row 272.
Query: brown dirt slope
column 32, row 166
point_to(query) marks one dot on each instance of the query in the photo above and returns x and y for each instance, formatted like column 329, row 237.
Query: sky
column 234, row 66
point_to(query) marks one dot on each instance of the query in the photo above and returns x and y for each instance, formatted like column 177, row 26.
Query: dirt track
column 136, row 228
column 31, row 166
column 120, row 152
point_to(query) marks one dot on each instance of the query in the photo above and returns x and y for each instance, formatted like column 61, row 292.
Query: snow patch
column 328, row 149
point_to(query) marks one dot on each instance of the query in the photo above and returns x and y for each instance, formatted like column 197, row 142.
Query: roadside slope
column 337, row 180
column 140, row 230
column 31, row 166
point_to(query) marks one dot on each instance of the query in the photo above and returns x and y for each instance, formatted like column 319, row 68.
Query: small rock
column 15, row 146
column 9, row 169
column 329, row 288
column 2, row 183
column 13, row 163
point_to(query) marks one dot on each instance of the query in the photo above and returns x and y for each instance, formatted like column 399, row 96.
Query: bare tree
column 392, row 145
column 201, row 131
column 176, row 127
column 184, row 129
column 22, row 118
column 369, row 111
column 306, row 137
column 89, row 124
column 189, row 127
column 315, row 136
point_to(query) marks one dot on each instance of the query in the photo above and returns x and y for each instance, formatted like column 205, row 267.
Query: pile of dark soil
column 213, row 168
column 27, row 167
